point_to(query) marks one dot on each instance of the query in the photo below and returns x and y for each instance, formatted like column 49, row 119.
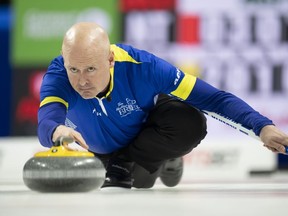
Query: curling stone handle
column 63, row 140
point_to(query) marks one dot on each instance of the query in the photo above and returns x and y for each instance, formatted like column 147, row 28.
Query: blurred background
column 240, row 46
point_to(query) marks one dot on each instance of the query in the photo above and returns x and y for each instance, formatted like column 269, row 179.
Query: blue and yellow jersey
column 137, row 78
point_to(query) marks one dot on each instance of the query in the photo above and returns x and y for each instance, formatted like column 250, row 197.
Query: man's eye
column 90, row 69
column 73, row 70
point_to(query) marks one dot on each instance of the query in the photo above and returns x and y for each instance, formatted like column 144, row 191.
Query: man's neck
column 105, row 91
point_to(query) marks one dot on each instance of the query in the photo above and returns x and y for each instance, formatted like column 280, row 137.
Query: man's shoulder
column 59, row 61
column 122, row 46
column 57, row 66
column 128, row 53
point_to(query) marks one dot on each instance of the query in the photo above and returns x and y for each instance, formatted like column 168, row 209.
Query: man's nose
column 82, row 80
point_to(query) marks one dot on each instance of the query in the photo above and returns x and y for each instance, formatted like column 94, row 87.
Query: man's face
column 88, row 71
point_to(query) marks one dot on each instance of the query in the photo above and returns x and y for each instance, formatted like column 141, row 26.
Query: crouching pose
column 136, row 112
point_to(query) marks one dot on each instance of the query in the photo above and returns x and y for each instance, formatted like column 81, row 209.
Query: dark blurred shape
column 4, row 2
column 282, row 162
column 27, row 101
column 5, row 74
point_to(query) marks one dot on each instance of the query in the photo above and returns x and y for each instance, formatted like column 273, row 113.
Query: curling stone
column 63, row 170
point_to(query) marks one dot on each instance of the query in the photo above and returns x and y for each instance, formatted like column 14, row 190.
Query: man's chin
column 87, row 96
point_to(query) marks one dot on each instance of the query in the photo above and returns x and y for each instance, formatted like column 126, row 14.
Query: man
column 138, row 113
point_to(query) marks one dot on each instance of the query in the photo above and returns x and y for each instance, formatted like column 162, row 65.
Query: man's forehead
column 80, row 64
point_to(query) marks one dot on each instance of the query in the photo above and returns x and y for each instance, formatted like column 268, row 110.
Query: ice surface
column 261, row 197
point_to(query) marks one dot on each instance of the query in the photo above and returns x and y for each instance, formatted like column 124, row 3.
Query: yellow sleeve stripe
column 53, row 99
column 121, row 55
column 185, row 87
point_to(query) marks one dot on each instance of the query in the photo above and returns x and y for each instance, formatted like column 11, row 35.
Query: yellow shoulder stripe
column 52, row 99
column 121, row 55
column 185, row 87
column 111, row 82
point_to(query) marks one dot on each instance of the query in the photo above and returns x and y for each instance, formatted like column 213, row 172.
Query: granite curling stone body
column 63, row 170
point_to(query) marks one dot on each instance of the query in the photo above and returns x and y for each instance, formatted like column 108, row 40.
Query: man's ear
column 111, row 59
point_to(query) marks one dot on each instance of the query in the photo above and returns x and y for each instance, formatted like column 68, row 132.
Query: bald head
column 87, row 58
column 85, row 35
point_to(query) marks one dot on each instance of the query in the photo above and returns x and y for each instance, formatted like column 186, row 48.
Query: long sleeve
column 56, row 95
column 49, row 117
column 207, row 97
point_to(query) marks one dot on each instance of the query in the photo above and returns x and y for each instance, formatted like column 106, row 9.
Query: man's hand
column 62, row 130
column 274, row 139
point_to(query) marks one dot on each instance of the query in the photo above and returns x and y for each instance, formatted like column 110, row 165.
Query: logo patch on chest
column 126, row 109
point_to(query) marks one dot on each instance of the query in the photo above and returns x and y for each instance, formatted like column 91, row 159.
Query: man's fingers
column 78, row 137
column 274, row 139
column 275, row 146
column 285, row 141
column 271, row 149
column 63, row 131
column 67, row 147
